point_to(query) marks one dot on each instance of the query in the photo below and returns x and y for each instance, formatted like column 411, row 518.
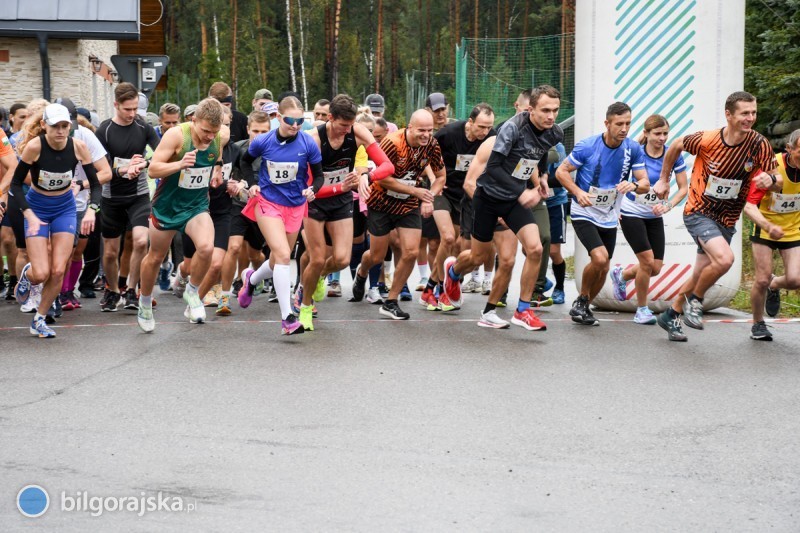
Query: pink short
column 292, row 216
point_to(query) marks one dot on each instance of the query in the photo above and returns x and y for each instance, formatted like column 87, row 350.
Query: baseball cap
column 189, row 111
column 143, row 103
column 73, row 111
column 85, row 113
column 55, row 113
column 270, row 108
column 375, row 103
column 263, row 93
column 436, row 101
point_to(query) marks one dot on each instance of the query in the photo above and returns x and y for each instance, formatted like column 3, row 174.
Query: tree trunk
column 203, row 38
column 475, row 33
column 289, row 37
column 335, row 62
column 216, row 38
column 234, row 82
column 379, row 50
column 302, row 53
column 261, row 56
column 395, row 60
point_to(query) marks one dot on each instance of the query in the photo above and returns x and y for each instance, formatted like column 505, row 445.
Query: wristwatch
column 94, row 207
column 774, row 178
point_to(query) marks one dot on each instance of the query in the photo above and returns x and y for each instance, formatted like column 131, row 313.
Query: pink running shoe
column 245, row 295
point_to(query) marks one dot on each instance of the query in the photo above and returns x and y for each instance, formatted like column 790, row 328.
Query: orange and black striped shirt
column 721, row 175
column 409, row 165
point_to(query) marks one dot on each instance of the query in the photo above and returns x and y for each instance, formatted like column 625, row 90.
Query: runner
column 642, row 222
column 260, row 98
column 777, row 227
column 322, row 110
column 508, row 189
column 126, row 198
column 603, row 165
column 332, row 210
column 436, row 103
column 728, row 163
column 187, row 161
column 558, row 211
column 377, row 107
column 169, row 116
column 282, row 202
column 222, row 92
column 459, row 141
column 398, row 202
column 50, row 155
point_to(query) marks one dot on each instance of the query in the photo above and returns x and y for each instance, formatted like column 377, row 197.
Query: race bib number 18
column 280, row 173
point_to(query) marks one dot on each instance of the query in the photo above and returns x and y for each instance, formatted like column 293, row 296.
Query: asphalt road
column 369, row 424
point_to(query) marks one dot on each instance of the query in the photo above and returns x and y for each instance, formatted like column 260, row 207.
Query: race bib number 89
column 280, row 173
column 722, row 189
column 195, row 178
column 53, row 181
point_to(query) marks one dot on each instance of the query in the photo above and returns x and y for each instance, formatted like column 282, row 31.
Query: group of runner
column 451, row 196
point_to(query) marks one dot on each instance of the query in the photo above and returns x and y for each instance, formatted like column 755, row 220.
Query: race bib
column 195, row 178
column 785, row 203
column 525, row 169
column 603, row 197
column 648, row 198
column 722, row 189
column 410, row 180
column 280, row 173
column 227, row 168
column 334, row 177
column 54, row 181
column 120, row 162
column 463, row 161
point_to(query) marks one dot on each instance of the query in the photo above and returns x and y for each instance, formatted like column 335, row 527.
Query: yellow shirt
column 782, row 209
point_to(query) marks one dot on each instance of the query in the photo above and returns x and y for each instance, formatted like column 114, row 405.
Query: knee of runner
column 448, row 238
column 761, row 281
column 57, row 272
column 140, row 244
column 204, row 248
column 792, row 281
column 341, row 261
column 726, row 262
column 648, row 265
column 37, row 276
column 655, row 271
column 533, row 249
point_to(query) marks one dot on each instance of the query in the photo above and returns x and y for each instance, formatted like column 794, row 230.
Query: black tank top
column 55, row 168
column 342, row 158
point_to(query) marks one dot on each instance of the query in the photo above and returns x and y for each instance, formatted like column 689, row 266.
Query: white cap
column 143, row 103
column 55, row 113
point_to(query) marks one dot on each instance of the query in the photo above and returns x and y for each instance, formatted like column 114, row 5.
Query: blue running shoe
column 620, row 291
column 558, row 297
column 40, row 328
column 548, row 284
column 163, row 275
column 405, row 294
column 23, row 290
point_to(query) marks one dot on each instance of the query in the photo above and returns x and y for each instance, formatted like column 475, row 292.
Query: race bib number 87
column 721, row 188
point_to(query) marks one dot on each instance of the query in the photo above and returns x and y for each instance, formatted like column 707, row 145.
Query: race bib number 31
column 463, row 161
column 280, row 173
column 603, row 197
column 722, row 189
column 525, row 169
column 785, row 203
column 195, row 178
column 53, row 181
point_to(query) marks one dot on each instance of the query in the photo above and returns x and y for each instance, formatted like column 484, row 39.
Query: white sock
column 263, row 272
column 476, row 275
column 180, row 273
column 488, row 276
column 387, row 268
column 227, row 293
column 146, row 301
column 424, row 271
column 283, row 288
column 191, row 288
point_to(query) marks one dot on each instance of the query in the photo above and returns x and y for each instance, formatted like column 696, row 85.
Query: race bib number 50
column 721, row 188
column 603, row 197
column 195, row 178
column 280, row 173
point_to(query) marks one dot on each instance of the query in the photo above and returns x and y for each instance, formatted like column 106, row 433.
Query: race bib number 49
column 525, row 169
column 785, row 203
column 280, row 173
column 721, row 188
column 648, row 198
column 53, row 181
column 195, row 178
column 603, row 197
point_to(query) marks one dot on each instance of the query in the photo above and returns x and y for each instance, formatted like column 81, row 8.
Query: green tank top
column 182, row 195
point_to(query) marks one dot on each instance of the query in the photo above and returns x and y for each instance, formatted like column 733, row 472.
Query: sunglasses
column 294, row 121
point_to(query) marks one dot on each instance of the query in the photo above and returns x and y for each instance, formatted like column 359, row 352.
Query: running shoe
column 245, row 295
column 423, row 282
column 66, row 301
column 237, row 286
column 179, row 285
column 224, row 305
column 471, row 286
column 451, row 286
column 548, row 284
column 374, row 296
column 491, row 320
column 405, row 294
column 383, row 290
column 297, row 300
column 28, row 307
column 445, row 304
column 210, row 299
column 130, row 300
column 540, row 300
column 528, row 320
column 334, row 289
column 759, row 332
column 272, row 297
column 620, row 289
column 23, row 289
column 163, row 275
column 581, row 314
column 644, row 316
column 291, row 326
column 672, row 326
column 428, row 300
column 145, row 318
column 195, row 311
column 10, row 295
column 58, row 309
column 110, row 301
column 486, row 287
column 773, row 304
column 40, row 328
column 88, row 292
column 503, row 301
column 393, row 311
column 76, row 304
column 307, row 317
column 260, row 286
column 693, row 313
column 359, row 285
column 320, row 291
column 558, row 297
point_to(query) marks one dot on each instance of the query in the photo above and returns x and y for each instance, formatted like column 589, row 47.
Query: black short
column 244, row 227
column 429, row 229
column 359, row 220
column 452, row 206
column 120, row 214
column 644, row 234
column 486, row 211
column 775, row 245
column 380, row 223
column 16, row 220
column 558, row 223
column 331, row 209
column 222, row 231
column 592, row 236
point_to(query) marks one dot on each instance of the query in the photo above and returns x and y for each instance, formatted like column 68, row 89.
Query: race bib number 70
column 195, row 178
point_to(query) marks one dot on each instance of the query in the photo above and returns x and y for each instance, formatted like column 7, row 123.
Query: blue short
column 57, row 213
column 558, row 223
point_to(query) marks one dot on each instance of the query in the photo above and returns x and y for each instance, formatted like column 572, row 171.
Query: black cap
column 73, row 111
column 436, row 101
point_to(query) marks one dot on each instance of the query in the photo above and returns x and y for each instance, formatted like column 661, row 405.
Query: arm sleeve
column 152, row 137
column 318, row 178
column 384, row 167
column 495, row 166
column 94, row 184
column 16, row 184
column 754, row 195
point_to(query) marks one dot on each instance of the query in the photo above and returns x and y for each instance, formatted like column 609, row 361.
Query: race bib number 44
column 525, row 169
column 603, row 197
column 463, row 161
column 722, row 189
column 195, row 178
column 280, row 173
column 53, row 181
column 785, row 203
